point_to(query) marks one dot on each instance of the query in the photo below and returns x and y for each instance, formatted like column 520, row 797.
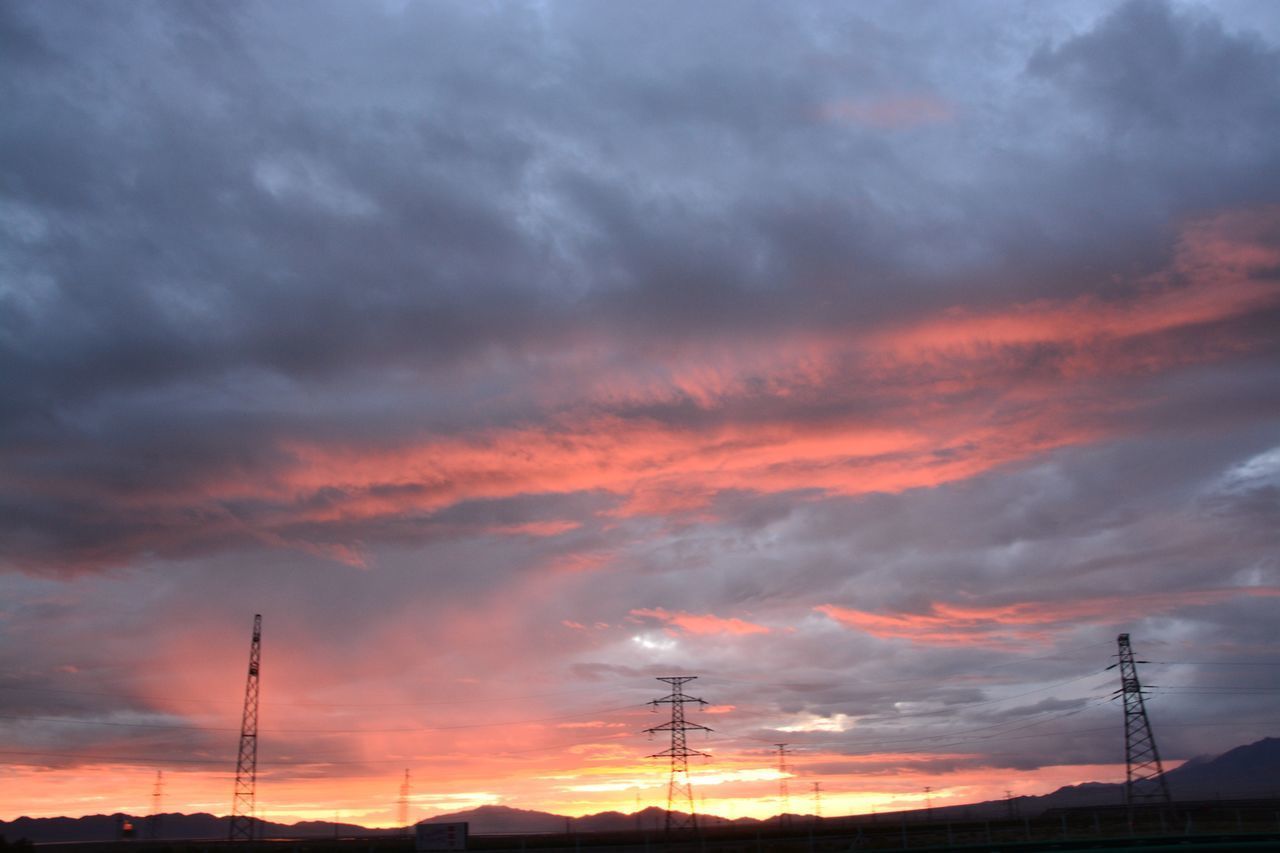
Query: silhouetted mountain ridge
column 1246, row 771
column 173, row 826
column 1243, row 772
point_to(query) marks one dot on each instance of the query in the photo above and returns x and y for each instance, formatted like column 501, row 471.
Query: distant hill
column 171, row 826
column 1244, row 772
column 496, row 820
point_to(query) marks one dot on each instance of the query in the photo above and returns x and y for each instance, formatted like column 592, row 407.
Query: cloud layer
column 878, row 368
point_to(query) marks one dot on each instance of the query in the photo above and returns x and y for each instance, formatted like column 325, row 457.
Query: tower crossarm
column 674, row 753
column 681, row 726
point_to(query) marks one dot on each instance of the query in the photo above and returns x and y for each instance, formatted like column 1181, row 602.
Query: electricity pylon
column 784, row 794
column 679, row 788
column 157, row 796
column 243, row 804
column 1144, row 774
column 403, row 813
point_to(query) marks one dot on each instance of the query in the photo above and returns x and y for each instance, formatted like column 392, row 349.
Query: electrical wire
column 184, row 727
column 1005, row 726
column 1211, row 663
column 271, row 762
column 923, row 678
column 959, row 706
column 951, row 739
column 513, row 697
column 308, row 704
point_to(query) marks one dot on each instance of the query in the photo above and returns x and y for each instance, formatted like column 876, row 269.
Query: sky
column 875, row 363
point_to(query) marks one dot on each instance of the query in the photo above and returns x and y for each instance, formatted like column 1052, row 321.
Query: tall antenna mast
column 157, row 796
column 784, row 793
column 679, row 788
column 1144, row 779
column 243, row 805
column 403, row 813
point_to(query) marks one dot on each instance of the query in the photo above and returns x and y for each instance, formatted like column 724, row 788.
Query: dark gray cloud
column 500, row 339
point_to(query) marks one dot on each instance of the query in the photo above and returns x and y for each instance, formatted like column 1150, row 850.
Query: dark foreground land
column 1244, row 825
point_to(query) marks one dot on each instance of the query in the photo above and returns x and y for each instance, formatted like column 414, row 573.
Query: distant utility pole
column 403, row 803
column 1009, row 804
column 680, row 788
column 243, row 804
column 157, row 796
column 1144, row 778
column 784, row 792
column 817, row 801
column 928, row 801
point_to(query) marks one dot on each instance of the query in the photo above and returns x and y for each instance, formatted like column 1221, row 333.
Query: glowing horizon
column 876, row 368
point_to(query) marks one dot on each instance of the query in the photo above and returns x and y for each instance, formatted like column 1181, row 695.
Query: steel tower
column 784, row 793
column 679, row 788
column 403, row 803
column 1144, row 779
column 157, row 797
column 243, row 803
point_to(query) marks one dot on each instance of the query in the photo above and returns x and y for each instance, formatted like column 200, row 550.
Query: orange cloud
column 922, row 433
column 705, row 623
column 953, row 624
column 923, row 403
column 534, row 528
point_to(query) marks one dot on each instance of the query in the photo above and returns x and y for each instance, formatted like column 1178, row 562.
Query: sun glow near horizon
column 371, row 801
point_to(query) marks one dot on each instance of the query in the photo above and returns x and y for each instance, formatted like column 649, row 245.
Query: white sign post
column 440, row 836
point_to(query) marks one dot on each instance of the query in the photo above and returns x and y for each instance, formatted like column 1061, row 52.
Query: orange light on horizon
column 371, row 800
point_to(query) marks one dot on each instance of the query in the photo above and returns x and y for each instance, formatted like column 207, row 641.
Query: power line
column 143, row 760
column 1213, row 663
column 274, row 762
column 1203, row 689
column 951, row 709
column 186, row 727
column 169, row 697
column 912, row 738
column 206, row 701
column 923, row 678
column 1003, row 729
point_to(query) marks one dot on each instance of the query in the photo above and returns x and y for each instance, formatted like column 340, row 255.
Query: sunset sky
column 876, row 363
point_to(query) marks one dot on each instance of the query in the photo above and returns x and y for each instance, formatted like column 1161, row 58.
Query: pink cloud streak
column 948, row 624
column 701, row 623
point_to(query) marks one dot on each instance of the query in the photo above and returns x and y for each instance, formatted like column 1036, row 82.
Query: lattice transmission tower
column 784, row 794
column 680, row 788
column 1144, row 778
column 157, row 798
column 243, row 803
column 403, row 803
